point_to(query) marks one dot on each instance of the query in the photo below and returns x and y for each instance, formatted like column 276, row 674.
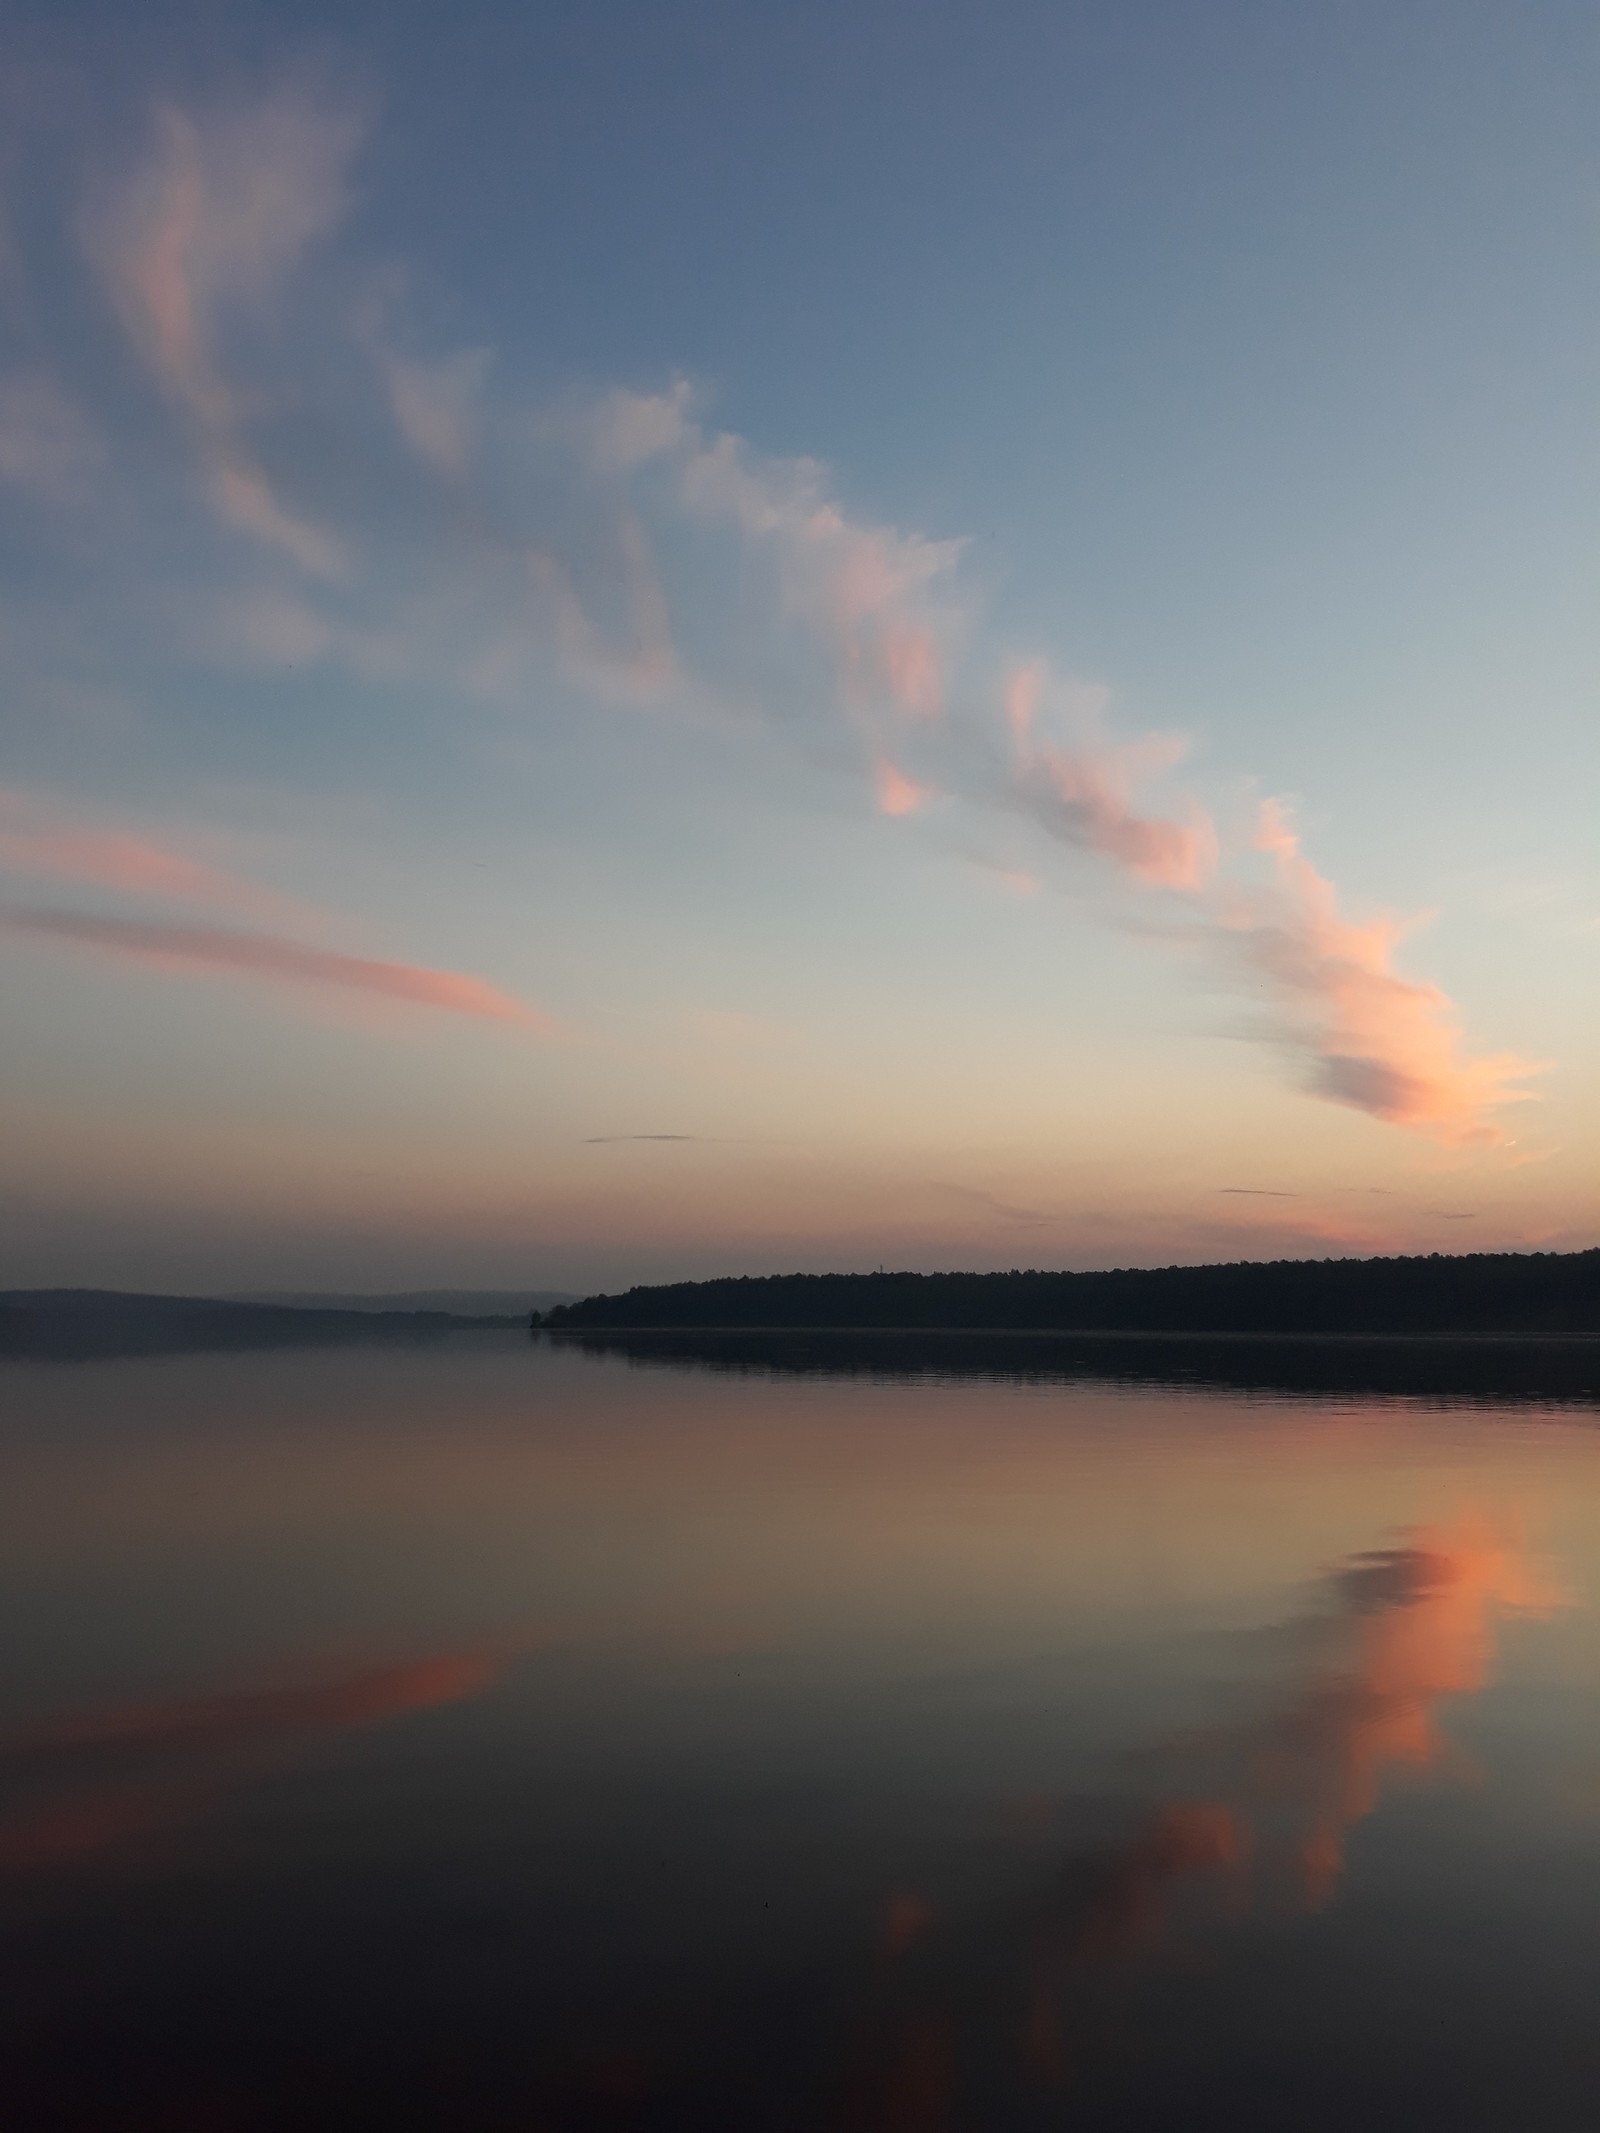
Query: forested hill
column 1481, row 1292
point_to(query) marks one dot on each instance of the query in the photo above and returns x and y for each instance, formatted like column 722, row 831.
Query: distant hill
column 463, row 1303
column 69, row 1324
column 1481, row 1292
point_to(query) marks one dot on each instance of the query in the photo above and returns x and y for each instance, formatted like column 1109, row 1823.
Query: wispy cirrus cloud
column 275, row 960
column 827, row 621
column 881, row 600
column 435, row 405
column 435, row 401
column 641, row 662
column 215, row 217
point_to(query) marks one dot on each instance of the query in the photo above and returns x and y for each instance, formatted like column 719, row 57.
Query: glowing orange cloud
column 264, row 955
column 1380, row 1042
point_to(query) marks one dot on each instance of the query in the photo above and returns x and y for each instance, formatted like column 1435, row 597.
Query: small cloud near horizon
column 598, row 1140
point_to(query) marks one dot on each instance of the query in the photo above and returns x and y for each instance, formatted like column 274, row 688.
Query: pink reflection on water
column 1408, row 1627
column 93, row 1781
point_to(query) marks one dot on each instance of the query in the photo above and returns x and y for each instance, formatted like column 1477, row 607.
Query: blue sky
column 906, row 593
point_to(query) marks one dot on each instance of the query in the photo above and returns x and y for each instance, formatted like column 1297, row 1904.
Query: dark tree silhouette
column 1481, row 1292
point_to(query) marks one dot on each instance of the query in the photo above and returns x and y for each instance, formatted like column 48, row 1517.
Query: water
column 492, row 1735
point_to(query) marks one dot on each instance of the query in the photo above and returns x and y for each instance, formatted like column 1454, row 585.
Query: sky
column 650, row 642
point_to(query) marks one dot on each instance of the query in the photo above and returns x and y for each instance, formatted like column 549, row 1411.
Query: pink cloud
column 435, row 405
column 268, row 956
column 36, row 841
column 627, row 429
column 898, row 794
column 1083, row 795
column 221, row 211
column 645, row 662
column 1377, row 1041
column 865, row 591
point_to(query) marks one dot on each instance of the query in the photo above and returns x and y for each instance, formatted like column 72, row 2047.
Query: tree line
column 1479, row 1292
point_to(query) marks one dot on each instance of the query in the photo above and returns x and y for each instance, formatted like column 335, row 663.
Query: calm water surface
column 496, row 1735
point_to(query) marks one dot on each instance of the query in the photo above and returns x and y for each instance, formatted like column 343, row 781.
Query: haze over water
column 498, row 1734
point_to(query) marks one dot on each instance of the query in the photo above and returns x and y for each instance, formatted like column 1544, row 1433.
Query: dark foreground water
column 491, row 1735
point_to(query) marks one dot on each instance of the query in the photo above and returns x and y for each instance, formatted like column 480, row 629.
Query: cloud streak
column 276, row 960
column 37, row 841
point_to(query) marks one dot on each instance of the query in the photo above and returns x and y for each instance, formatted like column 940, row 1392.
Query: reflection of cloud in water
column 90, row 1781
column 1125, row 1909
column 1408, row 1627
column 1415, row 1625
